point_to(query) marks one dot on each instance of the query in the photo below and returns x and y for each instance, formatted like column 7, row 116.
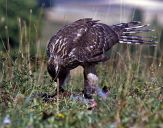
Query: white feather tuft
column 93, row 79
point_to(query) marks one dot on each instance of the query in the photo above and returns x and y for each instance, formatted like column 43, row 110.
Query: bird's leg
column 91, row 83
column 90, row 87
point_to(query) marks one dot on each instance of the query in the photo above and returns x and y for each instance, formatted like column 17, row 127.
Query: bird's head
column 54, row 63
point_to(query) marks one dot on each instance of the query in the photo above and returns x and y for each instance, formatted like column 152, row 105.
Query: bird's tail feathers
column 131, row 34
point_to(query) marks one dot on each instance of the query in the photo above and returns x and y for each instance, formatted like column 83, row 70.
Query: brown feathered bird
column 84, row 43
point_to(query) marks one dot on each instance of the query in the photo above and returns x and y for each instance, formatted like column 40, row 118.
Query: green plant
column 16, row 15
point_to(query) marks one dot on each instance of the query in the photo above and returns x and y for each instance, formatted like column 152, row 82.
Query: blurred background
column 42, row 18
column 26, row 26
column 46, row 16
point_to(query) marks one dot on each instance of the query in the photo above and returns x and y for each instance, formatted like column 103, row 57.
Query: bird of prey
column 85, row 43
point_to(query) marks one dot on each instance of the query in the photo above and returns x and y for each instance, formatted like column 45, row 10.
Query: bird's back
column 82, row 40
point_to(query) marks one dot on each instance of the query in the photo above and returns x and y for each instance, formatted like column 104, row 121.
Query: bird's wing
column 67, row 38
column 82, row 40
column 95, row 42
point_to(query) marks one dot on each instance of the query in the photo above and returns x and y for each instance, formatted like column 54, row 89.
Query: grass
column 135, row 98
column 134, row 81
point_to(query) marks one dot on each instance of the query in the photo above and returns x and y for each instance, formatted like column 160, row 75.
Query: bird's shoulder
column 72, row 32
column 70, row 36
